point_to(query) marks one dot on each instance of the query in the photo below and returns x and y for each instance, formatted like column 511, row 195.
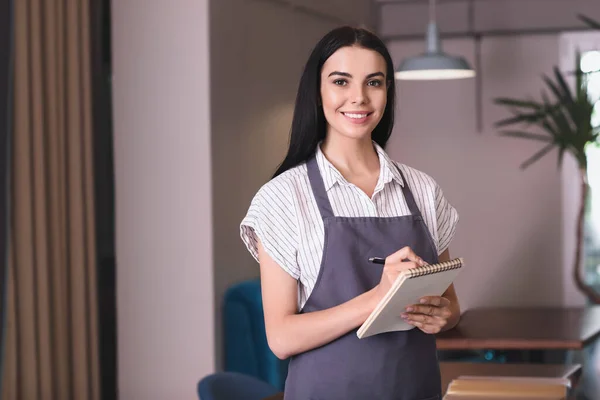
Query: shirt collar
column 331, row 175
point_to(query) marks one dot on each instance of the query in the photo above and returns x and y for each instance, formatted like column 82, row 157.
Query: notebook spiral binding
column 435, row 268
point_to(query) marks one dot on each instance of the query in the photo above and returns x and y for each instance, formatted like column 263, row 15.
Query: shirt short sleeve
column 272, row 220
column 447, row 220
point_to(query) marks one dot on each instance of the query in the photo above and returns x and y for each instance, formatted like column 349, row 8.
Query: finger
column 427, row 319
column 429, row 329
column 437, row 301
column 403, row 266
column 405, row 253
column 424, row 309
column 409, row 317
column 432, row 323
column 442, row 312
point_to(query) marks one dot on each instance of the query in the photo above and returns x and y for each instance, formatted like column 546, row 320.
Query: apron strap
column 408, row 196
column 318, row 188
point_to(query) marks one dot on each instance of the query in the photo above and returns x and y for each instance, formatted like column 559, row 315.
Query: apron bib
column 388, row 366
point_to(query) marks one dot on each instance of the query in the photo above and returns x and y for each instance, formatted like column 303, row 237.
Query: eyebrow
column 350, row 76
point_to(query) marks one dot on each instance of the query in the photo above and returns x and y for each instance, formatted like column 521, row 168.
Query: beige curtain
column 51, row 347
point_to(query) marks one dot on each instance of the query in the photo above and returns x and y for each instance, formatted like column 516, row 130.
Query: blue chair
column 246, row 349
column 234, row 386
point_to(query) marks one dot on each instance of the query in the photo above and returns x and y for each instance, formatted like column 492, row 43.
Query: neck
column 354, row 156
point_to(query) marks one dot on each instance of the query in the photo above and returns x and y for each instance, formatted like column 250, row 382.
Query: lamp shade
column 434, row 63
column 434, row 66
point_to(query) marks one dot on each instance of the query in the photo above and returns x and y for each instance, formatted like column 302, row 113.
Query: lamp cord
column 432, row 11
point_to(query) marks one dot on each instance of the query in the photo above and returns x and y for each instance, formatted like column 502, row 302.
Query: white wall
column 527, row 251
column 510, row 229
column 257, row 56
column 193, row 144
column 163, row 197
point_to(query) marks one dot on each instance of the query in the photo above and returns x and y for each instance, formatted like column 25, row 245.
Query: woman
column 336, row 200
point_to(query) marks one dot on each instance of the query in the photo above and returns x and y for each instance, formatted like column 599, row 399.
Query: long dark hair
column 309, row 124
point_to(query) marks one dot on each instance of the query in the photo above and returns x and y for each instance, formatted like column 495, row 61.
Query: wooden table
column 452, row 370
column 523, row 329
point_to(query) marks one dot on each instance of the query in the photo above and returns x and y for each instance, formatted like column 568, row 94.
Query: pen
column 377, row 260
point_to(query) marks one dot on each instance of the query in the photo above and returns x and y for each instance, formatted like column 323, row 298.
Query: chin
column 358, row 130
column 357, row 133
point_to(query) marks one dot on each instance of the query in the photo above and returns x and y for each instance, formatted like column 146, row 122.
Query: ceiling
column 426, row 1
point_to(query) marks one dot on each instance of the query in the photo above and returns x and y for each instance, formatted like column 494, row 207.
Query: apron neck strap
column 318, row 188
column 408, row 196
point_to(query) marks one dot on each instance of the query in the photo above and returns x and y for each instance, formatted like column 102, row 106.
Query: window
column 590, row 63
column 588, row 44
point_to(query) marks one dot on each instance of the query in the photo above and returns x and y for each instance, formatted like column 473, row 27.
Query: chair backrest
column 245, row 338
column 233, row 386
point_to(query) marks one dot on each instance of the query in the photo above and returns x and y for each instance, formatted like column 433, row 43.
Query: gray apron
column 388, row 366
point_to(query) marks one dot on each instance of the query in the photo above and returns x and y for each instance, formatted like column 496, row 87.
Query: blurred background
column 135, row 134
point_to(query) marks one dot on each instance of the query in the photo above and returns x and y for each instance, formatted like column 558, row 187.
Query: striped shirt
column 284, row 215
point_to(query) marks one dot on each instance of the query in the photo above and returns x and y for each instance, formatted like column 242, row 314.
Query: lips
column 357, row 117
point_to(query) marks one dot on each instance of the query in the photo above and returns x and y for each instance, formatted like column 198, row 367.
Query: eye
column 340, row 82
column 375, row 82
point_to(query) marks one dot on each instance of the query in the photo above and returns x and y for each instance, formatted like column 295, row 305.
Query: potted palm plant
column 565, row 120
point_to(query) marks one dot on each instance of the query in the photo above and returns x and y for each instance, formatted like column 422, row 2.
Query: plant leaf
column 578, row 75
column 561, row 121
column 563, row 96
column 527, row 135
column 550, row 122
column 564, row 112
column 531, row 118
column 537, row 155
column 561, row 153
column 589, row 22
column 563, row 84
column 517, row 103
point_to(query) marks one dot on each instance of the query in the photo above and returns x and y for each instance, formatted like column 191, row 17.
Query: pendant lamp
column 434, row 64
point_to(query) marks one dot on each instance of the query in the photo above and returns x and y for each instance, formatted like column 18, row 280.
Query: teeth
column 357, row 116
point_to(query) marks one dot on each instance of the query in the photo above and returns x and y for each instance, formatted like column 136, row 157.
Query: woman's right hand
column 395, row 263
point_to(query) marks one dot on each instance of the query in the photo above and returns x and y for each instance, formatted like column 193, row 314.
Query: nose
column 359, row 95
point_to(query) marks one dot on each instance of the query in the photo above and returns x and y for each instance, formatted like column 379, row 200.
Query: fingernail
column 409, row 309
column 423, row 301
column 404, row 315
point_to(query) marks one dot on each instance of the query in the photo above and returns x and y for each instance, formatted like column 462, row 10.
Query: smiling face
column 353, row 92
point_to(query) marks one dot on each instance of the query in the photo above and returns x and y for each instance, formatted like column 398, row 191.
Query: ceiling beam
column 490, row 33
column 404, row 19
column 378, row 2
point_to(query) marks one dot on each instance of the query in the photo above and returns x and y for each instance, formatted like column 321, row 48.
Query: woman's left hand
column 431, row 315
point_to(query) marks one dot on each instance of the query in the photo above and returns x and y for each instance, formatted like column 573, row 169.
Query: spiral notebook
column 410, row 286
